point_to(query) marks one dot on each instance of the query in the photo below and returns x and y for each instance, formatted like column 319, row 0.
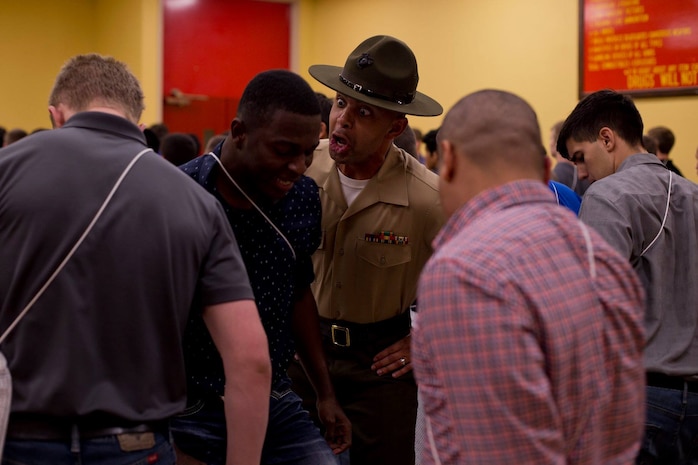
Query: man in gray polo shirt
column 97, row 362
column 650, row 215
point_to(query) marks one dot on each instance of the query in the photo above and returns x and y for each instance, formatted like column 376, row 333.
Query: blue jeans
column 291, row 437
column 671, row 428
column 103, row 451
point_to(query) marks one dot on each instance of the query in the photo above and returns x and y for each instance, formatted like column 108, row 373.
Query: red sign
column 639, row 47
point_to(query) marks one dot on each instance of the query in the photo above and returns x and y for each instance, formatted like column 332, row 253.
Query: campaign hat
column 381, row 71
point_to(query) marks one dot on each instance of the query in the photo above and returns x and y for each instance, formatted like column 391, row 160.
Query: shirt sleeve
column 223, row 276
column 608, row 218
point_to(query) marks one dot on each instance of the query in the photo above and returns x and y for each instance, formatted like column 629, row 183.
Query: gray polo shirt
column 105, row 338
column 627, row 208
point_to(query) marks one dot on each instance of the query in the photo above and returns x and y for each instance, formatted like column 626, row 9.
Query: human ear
column 238, row 132
column 397, row 127
column 57, row 116
column 447, row 161
column 607, row 138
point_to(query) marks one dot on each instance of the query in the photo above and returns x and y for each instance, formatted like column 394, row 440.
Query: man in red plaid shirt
column 528, row 346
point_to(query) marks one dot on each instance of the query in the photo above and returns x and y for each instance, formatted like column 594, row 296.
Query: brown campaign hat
column 381, row 71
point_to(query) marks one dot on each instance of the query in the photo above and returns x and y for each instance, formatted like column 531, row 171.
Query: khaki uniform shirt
column 371, row 254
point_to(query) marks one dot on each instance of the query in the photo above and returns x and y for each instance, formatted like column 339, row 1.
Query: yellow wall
column 38, row 36
column 527, row 47
column 131, row 31
column 35, row 39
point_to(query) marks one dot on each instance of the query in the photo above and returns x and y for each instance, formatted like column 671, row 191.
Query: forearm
column 306, row 328
column 240, row 339
column 247, row 414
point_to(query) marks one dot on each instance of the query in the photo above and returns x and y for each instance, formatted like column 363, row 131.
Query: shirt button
column 383, row 260
column 338, row 285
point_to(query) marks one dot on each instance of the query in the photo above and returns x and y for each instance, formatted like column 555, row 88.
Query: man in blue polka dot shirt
column 274, row 210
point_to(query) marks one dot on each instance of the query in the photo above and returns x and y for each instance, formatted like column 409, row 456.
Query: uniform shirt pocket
column 384, row 255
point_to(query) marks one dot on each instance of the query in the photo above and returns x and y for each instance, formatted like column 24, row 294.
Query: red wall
column 213, row 48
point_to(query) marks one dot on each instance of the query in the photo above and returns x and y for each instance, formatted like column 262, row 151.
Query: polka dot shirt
column 274, row 273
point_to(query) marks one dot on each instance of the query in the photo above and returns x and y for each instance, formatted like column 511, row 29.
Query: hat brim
column 422, row 105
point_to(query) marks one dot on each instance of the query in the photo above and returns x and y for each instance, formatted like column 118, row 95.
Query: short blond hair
column 93, row 79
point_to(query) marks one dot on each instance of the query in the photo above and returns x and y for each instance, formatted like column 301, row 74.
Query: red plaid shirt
column 521, row 356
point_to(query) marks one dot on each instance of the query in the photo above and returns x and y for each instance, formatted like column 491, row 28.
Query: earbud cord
column 293, row 252
column 77, row 244
column 666, row 213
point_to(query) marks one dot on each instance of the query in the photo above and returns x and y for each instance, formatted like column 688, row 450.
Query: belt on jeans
column 346, row 334
column 50, row 428
column 671, row 382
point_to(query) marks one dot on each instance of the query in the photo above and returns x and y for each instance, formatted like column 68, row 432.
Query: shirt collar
column 207, row 164
column 390, row 181
column 106, row 122
column 640, row 159
column 493, row 200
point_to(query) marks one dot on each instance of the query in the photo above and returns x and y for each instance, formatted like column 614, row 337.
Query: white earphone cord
column 666, row 213
column 68, row 256
column 293, row 252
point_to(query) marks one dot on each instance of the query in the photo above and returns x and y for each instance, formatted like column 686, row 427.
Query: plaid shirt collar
column 492, row 200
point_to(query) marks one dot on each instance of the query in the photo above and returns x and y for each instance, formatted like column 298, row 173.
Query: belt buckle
column 344, row 339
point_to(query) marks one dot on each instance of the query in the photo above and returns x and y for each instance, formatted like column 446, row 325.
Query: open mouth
column 284, row 182
column 338, row 144
column 284, row 185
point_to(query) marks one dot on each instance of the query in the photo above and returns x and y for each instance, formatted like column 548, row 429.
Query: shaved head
column 493, row 127
column 487, row 139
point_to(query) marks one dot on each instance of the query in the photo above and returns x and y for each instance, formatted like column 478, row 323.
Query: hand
column 337, row 425
column 396, row 359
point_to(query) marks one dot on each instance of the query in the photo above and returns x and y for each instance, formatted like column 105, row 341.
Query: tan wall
column 529, row 48
column 526, row 47
column 131, row 31
column 38, row 36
